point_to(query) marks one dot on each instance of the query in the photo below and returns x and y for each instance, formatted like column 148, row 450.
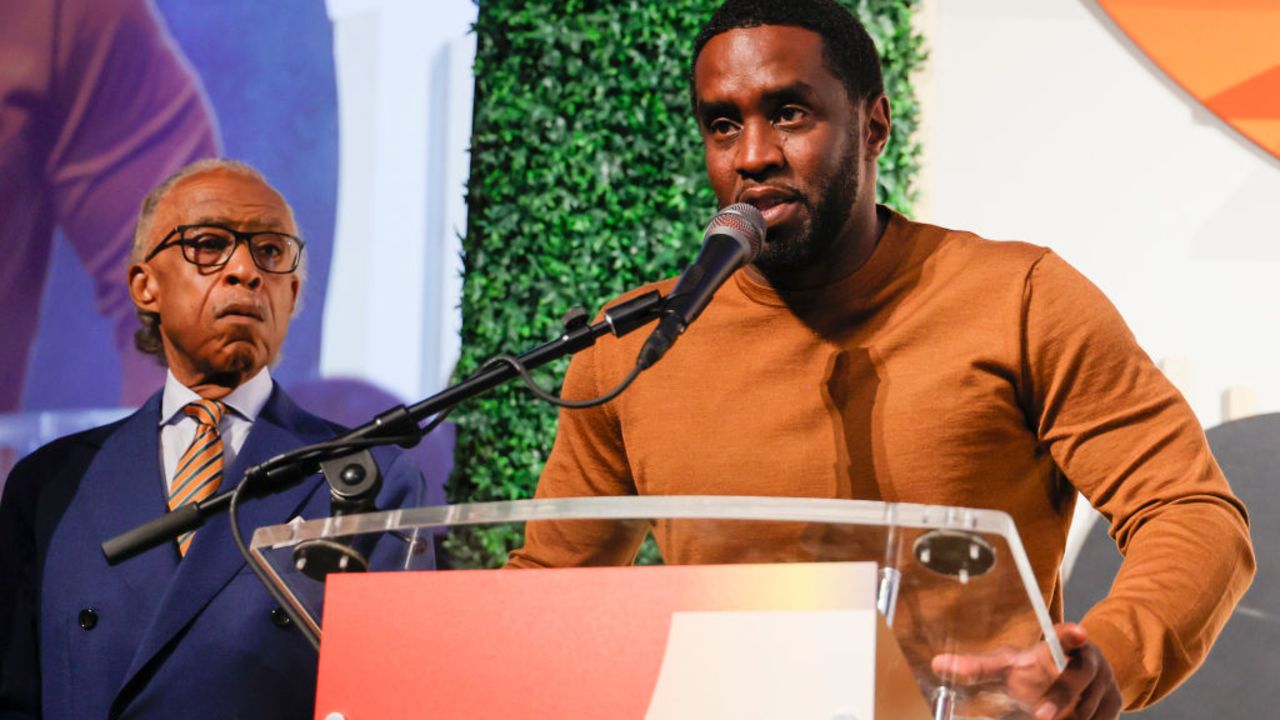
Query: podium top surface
column 710, row 507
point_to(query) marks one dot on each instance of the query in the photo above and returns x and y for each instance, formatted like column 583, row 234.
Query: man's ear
column 295, row 285
column 143, row 288
column 879, row 120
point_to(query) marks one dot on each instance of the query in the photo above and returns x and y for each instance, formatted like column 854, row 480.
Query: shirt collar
column 247, row 400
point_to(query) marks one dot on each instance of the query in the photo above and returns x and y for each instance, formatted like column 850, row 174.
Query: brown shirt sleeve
column 1123, row 435
column 587, row 459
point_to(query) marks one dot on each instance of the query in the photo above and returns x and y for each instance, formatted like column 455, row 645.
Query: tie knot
column 206, row 412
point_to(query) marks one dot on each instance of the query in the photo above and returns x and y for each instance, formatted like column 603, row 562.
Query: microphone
column 732, row 239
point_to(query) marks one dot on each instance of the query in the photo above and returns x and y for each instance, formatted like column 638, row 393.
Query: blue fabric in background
column 73, row 362
column 269, row 74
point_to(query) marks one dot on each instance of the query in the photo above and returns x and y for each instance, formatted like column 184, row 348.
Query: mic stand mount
column 354, row 482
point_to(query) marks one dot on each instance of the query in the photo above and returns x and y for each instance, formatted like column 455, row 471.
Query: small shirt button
column 280, row 617
column 88, row 618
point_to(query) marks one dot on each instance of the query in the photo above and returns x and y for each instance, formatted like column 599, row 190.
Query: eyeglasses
column 213, row 246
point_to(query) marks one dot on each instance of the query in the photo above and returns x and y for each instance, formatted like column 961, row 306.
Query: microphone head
column 743, row 222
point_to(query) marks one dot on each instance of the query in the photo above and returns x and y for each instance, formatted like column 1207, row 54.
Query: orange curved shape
column 1225, row 53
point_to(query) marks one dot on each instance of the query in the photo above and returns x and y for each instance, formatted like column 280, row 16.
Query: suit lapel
column 124, row 487
column 213, row 560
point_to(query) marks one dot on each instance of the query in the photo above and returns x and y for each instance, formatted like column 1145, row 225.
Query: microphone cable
column 542, row 394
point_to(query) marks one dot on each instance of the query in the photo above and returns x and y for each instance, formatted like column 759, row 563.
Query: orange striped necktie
column 199, row 471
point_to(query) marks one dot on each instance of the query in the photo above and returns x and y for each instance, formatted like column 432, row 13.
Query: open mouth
column 776, row 210
column 776, row 205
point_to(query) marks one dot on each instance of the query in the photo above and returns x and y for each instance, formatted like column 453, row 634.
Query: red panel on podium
column 581, row 642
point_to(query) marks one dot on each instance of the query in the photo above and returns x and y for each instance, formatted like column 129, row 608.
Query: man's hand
column 1084, row 690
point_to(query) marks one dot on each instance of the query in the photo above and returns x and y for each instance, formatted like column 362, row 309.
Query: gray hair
column 147, row 338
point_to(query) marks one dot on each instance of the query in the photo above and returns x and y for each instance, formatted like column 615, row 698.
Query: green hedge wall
column 587, row 180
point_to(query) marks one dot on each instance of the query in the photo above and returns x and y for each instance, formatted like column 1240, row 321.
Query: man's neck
column 213, row 386
column 247, row 400
column 216, row 388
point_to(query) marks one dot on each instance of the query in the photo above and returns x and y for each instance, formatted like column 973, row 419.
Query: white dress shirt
column 177, row 429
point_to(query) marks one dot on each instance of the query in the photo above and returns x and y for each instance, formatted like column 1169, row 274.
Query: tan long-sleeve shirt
column 947, row 370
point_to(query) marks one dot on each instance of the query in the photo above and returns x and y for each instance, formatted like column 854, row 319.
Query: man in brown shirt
column 866, row 356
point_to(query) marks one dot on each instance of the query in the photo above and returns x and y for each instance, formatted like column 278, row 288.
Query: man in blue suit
column 185, row 629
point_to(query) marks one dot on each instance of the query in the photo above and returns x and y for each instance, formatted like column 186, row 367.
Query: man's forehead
column 776, row 55
column 264, row 222
column 225, row 198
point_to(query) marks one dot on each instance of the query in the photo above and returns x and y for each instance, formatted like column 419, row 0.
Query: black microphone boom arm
column 397, row 425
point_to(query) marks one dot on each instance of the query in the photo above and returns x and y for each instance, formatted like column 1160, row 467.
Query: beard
column 818, row 234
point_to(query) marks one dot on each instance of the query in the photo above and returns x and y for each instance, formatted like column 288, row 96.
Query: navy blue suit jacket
column 189, row 639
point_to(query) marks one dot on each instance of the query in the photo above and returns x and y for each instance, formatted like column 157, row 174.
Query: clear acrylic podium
column 947, row 581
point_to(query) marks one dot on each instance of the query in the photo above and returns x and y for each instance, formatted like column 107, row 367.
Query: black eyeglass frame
column 240, row 238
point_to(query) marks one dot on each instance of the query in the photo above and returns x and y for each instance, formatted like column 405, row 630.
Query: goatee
column 815, row 239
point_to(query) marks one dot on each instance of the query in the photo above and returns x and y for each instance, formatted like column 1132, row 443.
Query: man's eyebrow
column 791, row 92
column 798, row 90
column 255, row 222
column 708, row 110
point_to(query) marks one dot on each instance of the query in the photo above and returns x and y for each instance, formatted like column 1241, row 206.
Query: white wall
column 1045, row 124
column 404, row 108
